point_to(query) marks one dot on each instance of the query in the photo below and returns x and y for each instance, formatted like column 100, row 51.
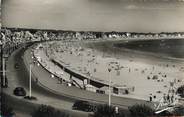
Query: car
column 19, row 91
column 84, row 106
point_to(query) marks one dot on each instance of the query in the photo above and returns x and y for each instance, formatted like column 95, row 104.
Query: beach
column 149, row 75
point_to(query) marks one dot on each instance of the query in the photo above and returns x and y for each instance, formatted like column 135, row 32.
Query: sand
column 134, row 69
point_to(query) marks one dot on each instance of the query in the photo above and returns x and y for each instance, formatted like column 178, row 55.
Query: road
column 19, row 77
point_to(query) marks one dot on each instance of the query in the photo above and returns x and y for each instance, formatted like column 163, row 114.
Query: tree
column 107, row 111
column 180, row 91
column 48, row 111
column 140, row 110
column 179, row 111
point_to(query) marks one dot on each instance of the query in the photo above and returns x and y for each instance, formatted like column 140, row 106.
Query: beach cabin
column 90, row 88
column 104, row 90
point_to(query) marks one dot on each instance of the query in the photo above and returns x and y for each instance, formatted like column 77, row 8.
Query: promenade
column 45, row 80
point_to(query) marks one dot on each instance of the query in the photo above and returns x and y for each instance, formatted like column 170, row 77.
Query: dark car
column 19, row 91
column 84, row 106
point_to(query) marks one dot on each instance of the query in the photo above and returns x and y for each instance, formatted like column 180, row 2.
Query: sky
column 94, row 15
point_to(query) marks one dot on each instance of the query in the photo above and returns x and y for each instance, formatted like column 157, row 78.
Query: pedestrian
column 168, row 98
column 165, row 98
column 172, row 98
column 36, row 80
column 150, row 99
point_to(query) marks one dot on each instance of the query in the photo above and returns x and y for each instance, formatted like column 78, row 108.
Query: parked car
column 19, row 91
column 84, row 106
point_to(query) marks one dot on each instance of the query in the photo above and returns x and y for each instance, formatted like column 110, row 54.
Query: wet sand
column 166, row 47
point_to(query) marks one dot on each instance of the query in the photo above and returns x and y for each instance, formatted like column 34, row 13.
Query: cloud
column 96, row 15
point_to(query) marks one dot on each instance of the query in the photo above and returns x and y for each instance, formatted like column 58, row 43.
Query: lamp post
column 1, row 45
column 89, row 68
column 62, row 79
column 109, row 70
column 4, row 75
column 3, row 78
column 30, row 67
column 30, row 97
column 4, row 83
